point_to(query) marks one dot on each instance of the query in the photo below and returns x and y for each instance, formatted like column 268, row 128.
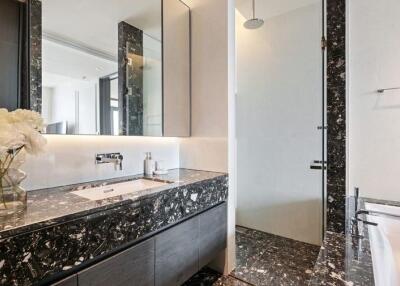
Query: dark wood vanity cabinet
column 70, row 281
column 134, row 266
column 166, row 259
column 183, row 250
column 177, row 253
column 212, row 233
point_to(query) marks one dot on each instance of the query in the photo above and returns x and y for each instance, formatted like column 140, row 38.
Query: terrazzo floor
column 263, row 259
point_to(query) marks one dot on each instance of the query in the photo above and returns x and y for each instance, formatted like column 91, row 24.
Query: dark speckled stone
column 130, row 79
column 56, row 205
column 209, row 277
column 35, row 249
column 263, row 259
column 344, row 260
column 336, row 115
column 35, row 64
column 205, row 277
column 267, row 259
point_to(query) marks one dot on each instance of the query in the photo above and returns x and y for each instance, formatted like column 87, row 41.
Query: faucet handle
column 120, row 158
column 356, row 196
column 99, row 158
column 357, row 192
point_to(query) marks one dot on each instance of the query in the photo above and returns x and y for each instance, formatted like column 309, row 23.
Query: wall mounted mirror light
column 100, row 67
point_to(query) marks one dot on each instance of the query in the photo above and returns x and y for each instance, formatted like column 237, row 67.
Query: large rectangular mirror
column 105, row 67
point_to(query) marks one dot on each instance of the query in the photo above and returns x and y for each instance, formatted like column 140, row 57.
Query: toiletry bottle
column 149, row 165
column 146, row 163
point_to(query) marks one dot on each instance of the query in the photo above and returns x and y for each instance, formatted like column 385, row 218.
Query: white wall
column 212, row 94
column 374, row 120
column 209, row 116
column 70, row 159
column 72, row 100
column 278, row 110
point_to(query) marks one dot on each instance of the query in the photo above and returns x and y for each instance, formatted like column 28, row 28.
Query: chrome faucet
column 115, row 158
column 355, row 232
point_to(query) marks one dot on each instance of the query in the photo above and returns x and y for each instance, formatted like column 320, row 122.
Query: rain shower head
column 253, row 23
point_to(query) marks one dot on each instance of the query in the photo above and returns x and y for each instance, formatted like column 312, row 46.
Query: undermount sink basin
column 118, row 189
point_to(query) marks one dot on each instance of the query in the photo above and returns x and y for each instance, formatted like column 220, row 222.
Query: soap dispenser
column 149, row 165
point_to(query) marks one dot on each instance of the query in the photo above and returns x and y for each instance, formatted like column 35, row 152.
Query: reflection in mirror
column 102, row 67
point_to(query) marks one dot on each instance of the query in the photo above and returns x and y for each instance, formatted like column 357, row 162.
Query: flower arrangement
column 20, row 133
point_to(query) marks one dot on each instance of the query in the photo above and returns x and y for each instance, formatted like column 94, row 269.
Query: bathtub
column 385, row 245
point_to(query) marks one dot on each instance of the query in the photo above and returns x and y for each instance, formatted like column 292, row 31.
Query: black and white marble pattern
column 35, row 64
column 264, row 259
column 336, row 115
column 209, row 277
column 130, row 78
column 32, row 251
column 345, row 260
column 267, row 259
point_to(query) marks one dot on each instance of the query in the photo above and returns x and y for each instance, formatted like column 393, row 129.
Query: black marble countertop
column 55, row 205
column 60, row 233
column 343, row 259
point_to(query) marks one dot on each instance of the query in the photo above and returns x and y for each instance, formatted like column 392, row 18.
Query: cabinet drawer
column 212, row 233
column 134, row 266
column 177, row 253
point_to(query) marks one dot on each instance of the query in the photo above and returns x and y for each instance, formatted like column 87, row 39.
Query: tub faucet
column 355, row 232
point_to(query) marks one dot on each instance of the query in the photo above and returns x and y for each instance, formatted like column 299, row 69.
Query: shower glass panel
column 280, row 119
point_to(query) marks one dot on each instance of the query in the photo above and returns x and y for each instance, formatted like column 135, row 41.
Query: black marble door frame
column 336, row 114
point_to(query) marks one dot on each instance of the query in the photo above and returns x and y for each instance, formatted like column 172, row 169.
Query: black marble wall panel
column 28, row 258
column 35, row 58
column 130, row 79
column 336, row 115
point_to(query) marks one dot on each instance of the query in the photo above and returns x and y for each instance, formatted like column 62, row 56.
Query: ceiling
column 266, row 9
column 72, row 64
column 94, row 23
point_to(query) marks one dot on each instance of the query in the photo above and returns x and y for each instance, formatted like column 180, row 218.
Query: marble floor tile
column 248, row 250
column 230, row 281
column 264, row 259
column 267, row 259
column 209, row 277
column 205, row 277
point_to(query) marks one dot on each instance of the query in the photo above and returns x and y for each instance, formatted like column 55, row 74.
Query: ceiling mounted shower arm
column 253, row 23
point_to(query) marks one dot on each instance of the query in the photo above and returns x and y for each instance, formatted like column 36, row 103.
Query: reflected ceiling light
column 253, row 23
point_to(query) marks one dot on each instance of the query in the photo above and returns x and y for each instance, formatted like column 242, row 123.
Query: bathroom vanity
column 157, row 236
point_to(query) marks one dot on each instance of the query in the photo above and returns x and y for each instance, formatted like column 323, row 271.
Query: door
column 280, row 115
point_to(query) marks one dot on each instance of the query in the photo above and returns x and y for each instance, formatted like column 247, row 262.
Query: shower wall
column 279, row 98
